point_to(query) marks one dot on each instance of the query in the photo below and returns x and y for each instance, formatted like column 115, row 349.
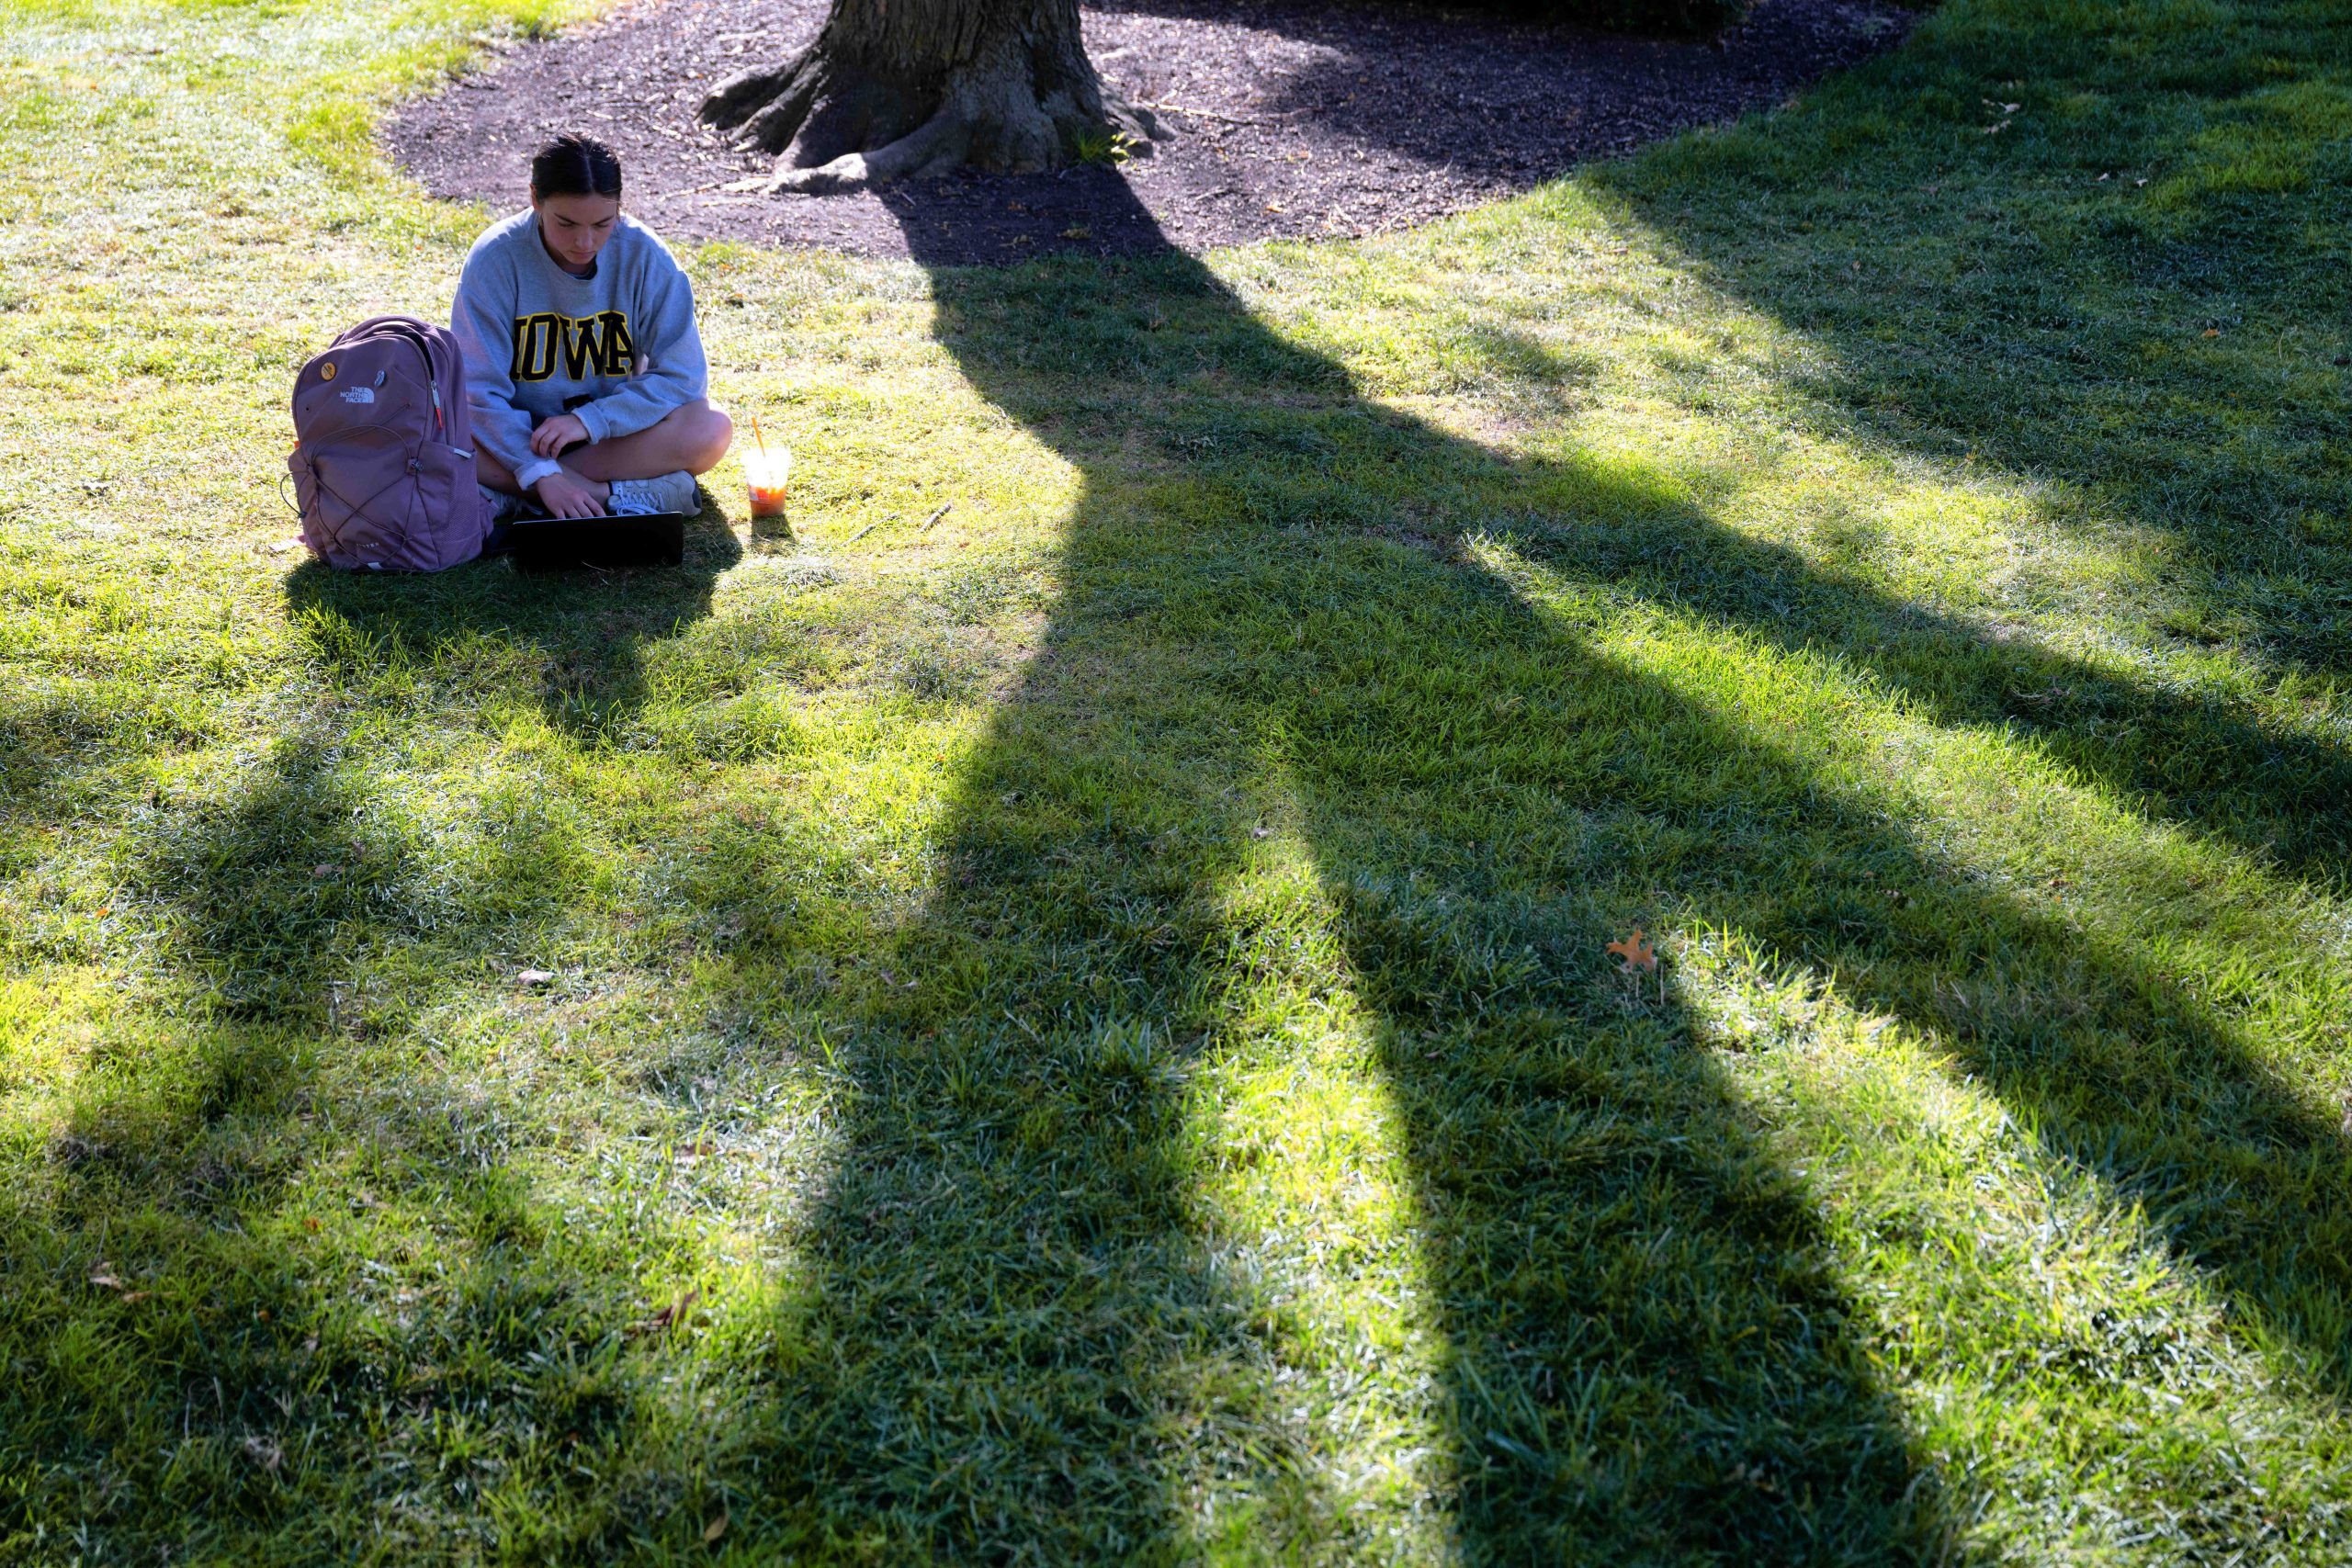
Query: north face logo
column 581, row 346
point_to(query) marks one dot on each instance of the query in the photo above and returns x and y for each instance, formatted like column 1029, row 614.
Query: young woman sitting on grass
column 583, row 371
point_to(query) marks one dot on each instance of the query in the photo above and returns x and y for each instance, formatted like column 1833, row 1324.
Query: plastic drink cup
column 766, row 477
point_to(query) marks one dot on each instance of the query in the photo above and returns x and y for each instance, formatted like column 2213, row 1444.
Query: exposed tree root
column 1014, row 105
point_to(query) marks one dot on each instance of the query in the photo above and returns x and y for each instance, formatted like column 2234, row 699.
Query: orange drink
column 766, row 476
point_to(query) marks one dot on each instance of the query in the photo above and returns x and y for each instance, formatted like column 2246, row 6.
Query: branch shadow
column 181, row 1236
column 2212, row 765
column 180, row 1176
column 2078, row 297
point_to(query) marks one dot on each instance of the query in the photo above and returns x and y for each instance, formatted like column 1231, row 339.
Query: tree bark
column 896, row 87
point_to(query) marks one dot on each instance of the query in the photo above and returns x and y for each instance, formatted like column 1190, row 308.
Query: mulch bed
column 1280, row 118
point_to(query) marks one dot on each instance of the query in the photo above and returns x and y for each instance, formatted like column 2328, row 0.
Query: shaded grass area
column 1081, row 1029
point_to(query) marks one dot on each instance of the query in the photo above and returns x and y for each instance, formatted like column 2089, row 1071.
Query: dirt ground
column 1279, row 118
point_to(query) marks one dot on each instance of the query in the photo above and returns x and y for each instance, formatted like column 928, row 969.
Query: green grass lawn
column 1082, row 1031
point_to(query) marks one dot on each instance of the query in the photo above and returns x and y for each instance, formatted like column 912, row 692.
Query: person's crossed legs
column 691, row 437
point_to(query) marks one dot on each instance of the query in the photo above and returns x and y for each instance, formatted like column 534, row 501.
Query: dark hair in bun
column 574, row 165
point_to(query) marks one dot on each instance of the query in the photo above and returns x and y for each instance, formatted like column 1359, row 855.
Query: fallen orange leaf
column 1636, row 952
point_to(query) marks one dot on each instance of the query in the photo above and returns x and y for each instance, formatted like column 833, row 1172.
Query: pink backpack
column 383, row 459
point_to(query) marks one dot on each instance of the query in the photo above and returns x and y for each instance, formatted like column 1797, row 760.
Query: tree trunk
column 895, row 87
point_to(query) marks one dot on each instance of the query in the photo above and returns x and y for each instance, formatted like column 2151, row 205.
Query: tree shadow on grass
column 1292, row 614
column 1277, row 625
column 1025, row 1339
column 1024, row 1333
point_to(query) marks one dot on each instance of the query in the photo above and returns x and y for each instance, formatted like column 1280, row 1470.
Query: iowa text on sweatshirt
column 617, row 348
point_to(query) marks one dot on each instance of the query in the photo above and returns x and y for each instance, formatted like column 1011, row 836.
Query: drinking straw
column 755, row 435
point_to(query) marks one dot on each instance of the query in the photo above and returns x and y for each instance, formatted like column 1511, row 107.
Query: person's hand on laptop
column 554, row 435
column 566, row 494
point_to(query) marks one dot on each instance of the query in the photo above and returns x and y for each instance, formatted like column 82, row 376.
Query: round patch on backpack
column 326, row 371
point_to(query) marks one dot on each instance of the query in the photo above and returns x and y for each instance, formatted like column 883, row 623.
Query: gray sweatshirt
column 617, row 348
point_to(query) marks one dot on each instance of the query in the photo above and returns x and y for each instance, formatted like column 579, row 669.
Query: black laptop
column 560, row 544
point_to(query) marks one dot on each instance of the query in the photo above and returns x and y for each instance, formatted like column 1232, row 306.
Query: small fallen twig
column 670, row 1316
column 943, row 508
column 743, row 184
column 1198, row 113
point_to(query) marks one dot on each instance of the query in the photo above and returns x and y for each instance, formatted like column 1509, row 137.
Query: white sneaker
column 663, row 493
